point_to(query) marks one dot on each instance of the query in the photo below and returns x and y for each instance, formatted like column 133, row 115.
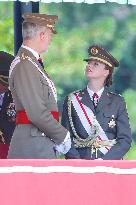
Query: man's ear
column 42, row 35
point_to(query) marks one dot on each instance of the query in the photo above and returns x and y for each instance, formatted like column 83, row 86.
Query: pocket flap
column 35, row 132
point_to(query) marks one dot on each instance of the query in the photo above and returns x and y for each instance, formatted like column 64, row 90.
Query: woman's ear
column 106, row 73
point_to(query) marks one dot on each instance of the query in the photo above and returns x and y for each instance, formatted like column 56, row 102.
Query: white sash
column 50, row 83
column 13, row 64
column 102, row 136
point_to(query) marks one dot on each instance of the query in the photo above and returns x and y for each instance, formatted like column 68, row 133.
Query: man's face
column 96, row 70
column 3, row 88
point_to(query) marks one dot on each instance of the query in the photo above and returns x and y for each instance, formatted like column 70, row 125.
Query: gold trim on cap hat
column 102, row 60
column 41, row 17
column 50, row 26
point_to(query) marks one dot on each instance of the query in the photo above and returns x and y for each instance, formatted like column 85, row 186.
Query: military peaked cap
column 99, row 53
column 5, row 62
column 41, row 19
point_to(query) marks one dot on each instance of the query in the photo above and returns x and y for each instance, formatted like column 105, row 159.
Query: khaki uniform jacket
column 109, row 104
column 32, row 93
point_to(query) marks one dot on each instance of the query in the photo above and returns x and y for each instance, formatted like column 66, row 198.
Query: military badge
column 11, row 113
column 94, row 51
column 112, row 122
column 108, row 94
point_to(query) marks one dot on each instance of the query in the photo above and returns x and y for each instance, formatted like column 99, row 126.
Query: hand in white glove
column 65, row 146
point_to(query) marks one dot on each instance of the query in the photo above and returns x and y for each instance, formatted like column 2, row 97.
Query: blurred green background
column 80, row 25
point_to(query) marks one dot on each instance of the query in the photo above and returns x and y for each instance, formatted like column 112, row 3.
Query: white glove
column 65, row 146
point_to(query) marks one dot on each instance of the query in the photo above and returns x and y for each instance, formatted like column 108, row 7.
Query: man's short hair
column 29, row 30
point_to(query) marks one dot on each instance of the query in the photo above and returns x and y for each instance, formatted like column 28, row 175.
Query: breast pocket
column 46, row 91
column 35, row 132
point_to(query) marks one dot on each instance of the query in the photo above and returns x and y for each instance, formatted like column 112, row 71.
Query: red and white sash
column 88, row 119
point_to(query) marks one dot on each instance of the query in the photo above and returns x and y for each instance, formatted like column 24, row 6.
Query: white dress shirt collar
column 99, row 93
column 32, row 51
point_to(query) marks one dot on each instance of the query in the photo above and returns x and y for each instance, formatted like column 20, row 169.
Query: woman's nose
column 90, row 66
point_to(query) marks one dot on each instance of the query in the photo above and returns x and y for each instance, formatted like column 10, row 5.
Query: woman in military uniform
column 96, row 118
column 7, row 108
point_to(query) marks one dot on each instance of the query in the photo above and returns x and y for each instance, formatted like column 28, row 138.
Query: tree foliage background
column 80, row 25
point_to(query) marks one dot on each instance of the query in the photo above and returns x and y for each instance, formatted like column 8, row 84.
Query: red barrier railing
column 67, row 182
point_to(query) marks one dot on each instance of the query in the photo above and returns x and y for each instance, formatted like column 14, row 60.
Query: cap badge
column 94, row 50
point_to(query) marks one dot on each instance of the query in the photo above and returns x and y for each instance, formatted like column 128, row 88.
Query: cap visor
column 54, row 31
column 86, row 60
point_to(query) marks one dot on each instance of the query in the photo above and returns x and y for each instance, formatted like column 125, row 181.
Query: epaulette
column 78, row 92
column 112, row 93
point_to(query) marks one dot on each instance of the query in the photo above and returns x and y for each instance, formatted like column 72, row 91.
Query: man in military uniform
column 96, row 118
column 38, row 134
column 7, row 108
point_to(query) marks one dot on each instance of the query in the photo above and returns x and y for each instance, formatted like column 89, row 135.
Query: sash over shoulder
column 96, row 138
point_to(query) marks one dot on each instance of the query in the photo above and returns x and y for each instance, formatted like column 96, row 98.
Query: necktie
column 95, row 99
column 41, row 62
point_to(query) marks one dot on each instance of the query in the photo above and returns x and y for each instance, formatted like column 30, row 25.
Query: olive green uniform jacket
column 32, row 93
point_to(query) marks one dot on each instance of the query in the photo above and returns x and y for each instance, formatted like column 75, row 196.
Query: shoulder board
column 112, row 93
column 24, row 57
column 78, row 92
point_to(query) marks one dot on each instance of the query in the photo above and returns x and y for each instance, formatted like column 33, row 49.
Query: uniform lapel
column 86, row 100
column 104, row 100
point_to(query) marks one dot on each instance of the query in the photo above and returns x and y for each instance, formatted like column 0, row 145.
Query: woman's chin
column 88, row 76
